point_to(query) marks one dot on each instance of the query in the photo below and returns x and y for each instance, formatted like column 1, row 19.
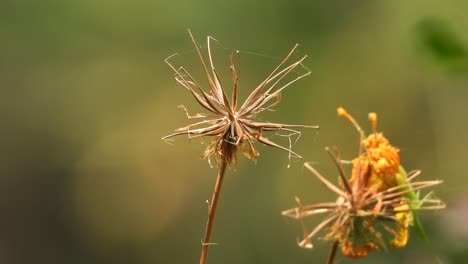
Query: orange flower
column 379, row 162
column 379, row 196
column 379, row 168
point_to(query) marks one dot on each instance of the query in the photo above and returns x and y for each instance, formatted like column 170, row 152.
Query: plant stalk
column 212, row 212
column 331, row 256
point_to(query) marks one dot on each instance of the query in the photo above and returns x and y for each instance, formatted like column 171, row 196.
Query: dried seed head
column 229, row 127
column 357, row 220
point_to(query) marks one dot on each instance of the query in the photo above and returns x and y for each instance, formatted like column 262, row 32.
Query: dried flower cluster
column 379, row 196
column 232, row 127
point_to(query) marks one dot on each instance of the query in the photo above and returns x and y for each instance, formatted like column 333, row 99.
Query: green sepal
column 402, row 178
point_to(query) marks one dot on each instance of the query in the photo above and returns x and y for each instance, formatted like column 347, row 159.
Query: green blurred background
column 85, row 98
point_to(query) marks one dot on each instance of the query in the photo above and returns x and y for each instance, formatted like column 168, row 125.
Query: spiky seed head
column 231, row 128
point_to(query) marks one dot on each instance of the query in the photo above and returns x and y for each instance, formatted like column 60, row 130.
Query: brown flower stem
column 212, row 212
column 331, row 256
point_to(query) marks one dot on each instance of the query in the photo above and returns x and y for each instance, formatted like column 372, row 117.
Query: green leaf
column 440, row 40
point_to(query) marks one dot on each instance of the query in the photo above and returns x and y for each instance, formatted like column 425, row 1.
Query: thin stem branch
column 212, row 212
column 331, row 256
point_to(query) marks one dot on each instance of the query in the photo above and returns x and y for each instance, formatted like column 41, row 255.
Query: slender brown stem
column 212, row 212
column 331, row 256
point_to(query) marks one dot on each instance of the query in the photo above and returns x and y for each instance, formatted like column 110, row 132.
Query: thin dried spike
column 390, row 217
column 391, row 202
column 406, row 188
column 289, row 153
column 210, row 99
column 328, row 219
column 210, row 121
column 218, row 90
column 372, row 190
column 173, row 135
column 238, row 132
column 388, row 196
column 390, row 230
column 357, row 182
column 270, row 107
column 214, row 122
column 218, row 122
column 262, row 85
column 170, row 64
column 307, row 243
column 441, row 205
column 249, row 109
column 393, row 195
column 184, row 71
column 203, row 102
column 189, row 116
column 215, row 130
column 262, row 100
column 181, row 75
column 293, row 213
column 253, row 153
column 275, row 126
column 274, row 94
column 268, row 142
column 210, row 81
column 344, row 219
column 306, row 213
column 206, row 102
column 426, row 203
column 336, row 160
column 235, row 81
column 225, row 100
column 363, row 213
column 254, row 95
column 346, row 162
column 413, row 174
column 197, row 133
column 293, row 133
column 283, row 73
column 435, row 207
column 379, row 237
column 330, row 205
column 303, row 226
column 250, row 130
column 179, row 70
column 308, row 210
column 327, row 183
